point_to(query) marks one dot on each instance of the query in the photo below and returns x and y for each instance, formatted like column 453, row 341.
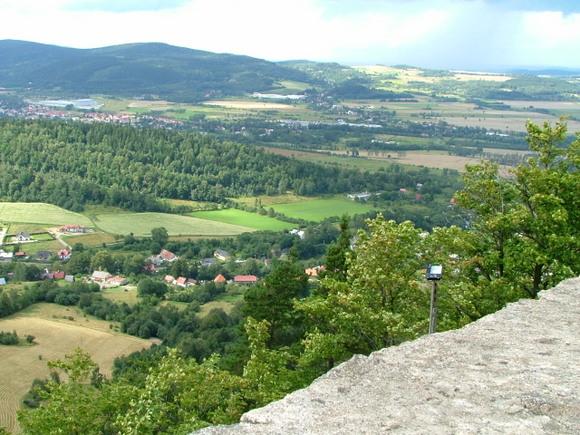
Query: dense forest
column 71, row 164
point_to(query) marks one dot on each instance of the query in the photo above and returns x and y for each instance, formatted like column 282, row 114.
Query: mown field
column 244, row 218
column 319, row 209
column 125, row 294
column 40, row 213
column 56, row 336
column 141, row 224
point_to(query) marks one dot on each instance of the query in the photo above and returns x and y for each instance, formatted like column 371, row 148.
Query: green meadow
column 244, row 218
column 141, row 224
column 39, row 213
column 319, row 209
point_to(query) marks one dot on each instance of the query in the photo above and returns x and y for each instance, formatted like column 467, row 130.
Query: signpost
column 434, row 274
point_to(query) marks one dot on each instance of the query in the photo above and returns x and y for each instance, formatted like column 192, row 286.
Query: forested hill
column 175, row 73
column 71, row 164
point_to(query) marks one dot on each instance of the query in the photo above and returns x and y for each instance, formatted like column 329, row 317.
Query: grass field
column 244, row 218
column 141, row 224
column 56, row 336
column 206, row 308
column 39, row 213
column 33, row 248
column 90, row 239
column 125, row 294
column 319, row 209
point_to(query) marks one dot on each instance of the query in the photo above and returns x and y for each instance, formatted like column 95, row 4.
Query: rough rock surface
column 516, row 371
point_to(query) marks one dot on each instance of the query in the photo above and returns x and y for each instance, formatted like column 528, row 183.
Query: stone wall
column 515, row 371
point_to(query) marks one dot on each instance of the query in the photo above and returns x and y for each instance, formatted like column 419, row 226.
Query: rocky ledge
column 515, row 371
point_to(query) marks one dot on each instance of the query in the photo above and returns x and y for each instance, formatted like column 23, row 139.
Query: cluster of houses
column 106, row 280
column 219, row 279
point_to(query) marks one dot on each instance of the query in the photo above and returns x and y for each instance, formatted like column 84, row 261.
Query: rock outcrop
column 515, row 371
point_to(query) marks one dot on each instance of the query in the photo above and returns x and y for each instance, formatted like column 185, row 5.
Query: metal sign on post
column 434, row 274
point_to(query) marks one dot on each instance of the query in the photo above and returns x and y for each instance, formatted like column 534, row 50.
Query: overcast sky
column 464, row 34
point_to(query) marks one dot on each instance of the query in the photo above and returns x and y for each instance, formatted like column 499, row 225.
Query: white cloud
column 431, row 33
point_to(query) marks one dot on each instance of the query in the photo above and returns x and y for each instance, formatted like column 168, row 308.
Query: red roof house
column 167, row 255
column 220, row 279
column 169, row 279
column 245, row 279
column 58, row 275
column 181, row 281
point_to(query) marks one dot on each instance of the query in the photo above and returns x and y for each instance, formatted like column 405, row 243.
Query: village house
column 181, row 282
column 314, row 272
column 100, row 276
column 169, row 279
column 220, row 279
column 20, row 254
column 2, row 281
column 59, row 274
column 6, row 255
column 69, row 278
column 245, row 279
column 23, row 236
column 222, row 255
column 164, row 256
column 115, row 281
column 64, row 254
column 297, row 232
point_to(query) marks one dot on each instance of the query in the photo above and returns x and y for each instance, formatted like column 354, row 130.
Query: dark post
column 433, row 311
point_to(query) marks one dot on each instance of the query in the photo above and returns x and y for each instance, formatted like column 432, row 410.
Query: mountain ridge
column 162, row 70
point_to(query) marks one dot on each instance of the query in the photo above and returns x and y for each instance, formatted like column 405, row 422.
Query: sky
column 456, row 34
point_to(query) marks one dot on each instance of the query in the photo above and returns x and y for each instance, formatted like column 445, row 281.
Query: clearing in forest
column 319, row 209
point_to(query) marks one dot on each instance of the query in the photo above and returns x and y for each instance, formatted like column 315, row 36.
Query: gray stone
column 515, row 371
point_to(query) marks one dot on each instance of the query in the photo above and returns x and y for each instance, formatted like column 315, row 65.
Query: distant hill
column 176, row 73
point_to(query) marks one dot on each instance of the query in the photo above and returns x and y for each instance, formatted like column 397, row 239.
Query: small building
column 314, row 272
column 6, row 255
column 181, row 282
column 191, row 282
column 100, row 276
column 69, row 278
column 220, row 279
column 64, row 254
column 168, row 256
column 169, row 279
column 116, row 281
column 222, row 255
column 297, row 232
column 363, row 196
column 20, row 254
column 245, row 279
column 23, row 236
column 58, row 275
column 2, row 281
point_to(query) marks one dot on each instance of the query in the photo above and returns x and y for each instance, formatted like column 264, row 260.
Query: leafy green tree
column 267, row 371
column 160, row 236
column 102, row 260
column 527, row 225
column 273, row 300
column 150, row 287
column 337, row 253
column 381, row 302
